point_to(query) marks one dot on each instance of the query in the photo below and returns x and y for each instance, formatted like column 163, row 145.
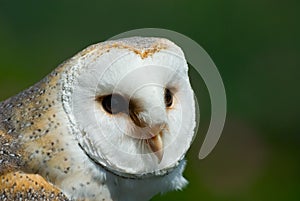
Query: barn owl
column 112, row 123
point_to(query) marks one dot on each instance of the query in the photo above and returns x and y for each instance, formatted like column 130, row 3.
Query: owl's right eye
column 114, row 104
column 168, row 98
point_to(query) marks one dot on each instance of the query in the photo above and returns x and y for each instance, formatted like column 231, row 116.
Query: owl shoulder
column 22, row 186
column 17, row 185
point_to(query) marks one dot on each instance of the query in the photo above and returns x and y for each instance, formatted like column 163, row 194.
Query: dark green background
column 255, row 45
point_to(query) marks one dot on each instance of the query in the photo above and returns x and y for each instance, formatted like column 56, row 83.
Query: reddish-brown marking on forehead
column 142, row 52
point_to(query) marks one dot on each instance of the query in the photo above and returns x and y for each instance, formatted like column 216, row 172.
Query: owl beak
column 156, row 145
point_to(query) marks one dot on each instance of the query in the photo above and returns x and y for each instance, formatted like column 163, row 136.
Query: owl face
column 132, row 105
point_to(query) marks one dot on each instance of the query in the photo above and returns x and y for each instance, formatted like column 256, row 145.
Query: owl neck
column 145, row 189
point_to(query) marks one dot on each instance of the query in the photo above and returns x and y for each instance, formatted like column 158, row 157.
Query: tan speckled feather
column 29, row 124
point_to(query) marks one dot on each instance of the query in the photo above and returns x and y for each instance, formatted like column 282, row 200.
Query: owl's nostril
column 157, row 129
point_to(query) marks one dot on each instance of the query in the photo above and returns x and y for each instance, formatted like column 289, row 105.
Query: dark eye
column 168, row 98
column 114, row 104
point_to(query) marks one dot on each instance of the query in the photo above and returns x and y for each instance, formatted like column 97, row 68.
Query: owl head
column 131, row 105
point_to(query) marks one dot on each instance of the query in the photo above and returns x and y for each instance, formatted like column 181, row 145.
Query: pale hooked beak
column 156, row 145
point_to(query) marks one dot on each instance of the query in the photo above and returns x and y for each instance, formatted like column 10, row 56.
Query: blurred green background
column 255, row 44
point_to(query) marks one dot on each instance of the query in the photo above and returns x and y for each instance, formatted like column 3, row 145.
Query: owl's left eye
column 114, row 104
